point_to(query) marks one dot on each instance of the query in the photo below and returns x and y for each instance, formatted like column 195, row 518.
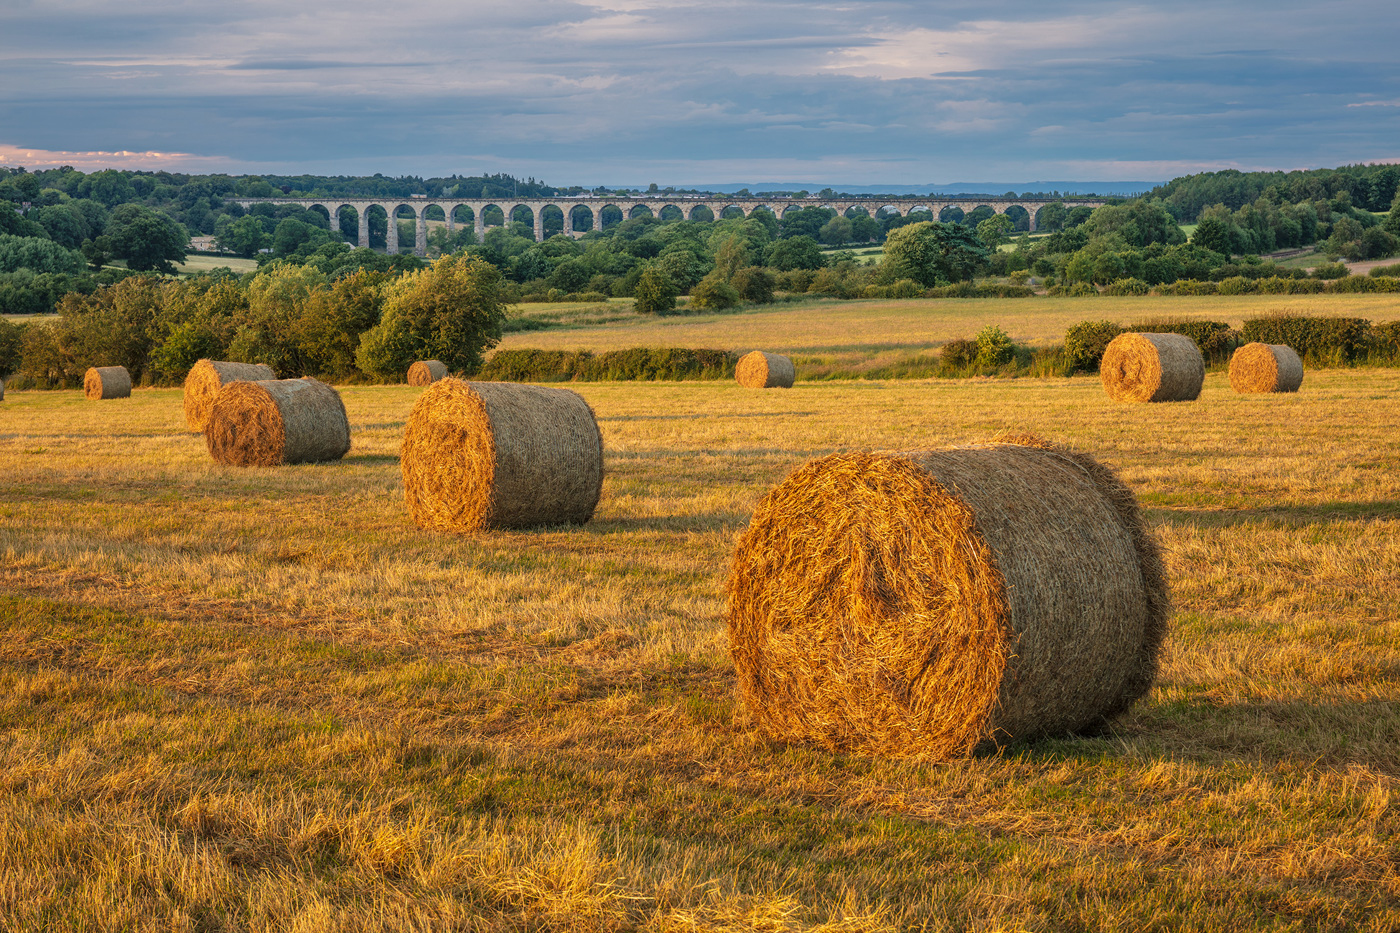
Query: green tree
column 992, row 231
column 64, row 225
column 110, row 187
column 148, row 241
column 97, row 252
column 1213, row 233
column 836, row 231
column 655, row 293
column 798, row 252
column 451, row 311
column 243, row 237
column 930, row 253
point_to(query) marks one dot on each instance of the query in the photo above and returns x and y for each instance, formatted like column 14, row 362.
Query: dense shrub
column 1073, row 290
column 1316, row 339
column 641, row 363
column 1289, row 286
column 754, row 284
column 535, row 365
column 1126, row 287
column 1235, row 285
column 1216, row 339
column 654, row 292
column 714, row 294
column 1331, row 270
column 991, row 290
column 957, row 355
column 11, row 347
column 1387, row 271
column 1187, row 287
column 1362, row 284
column 994, row 347
column 1085, row 343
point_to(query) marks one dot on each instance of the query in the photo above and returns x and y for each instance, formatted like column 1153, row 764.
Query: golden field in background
column 264, row 698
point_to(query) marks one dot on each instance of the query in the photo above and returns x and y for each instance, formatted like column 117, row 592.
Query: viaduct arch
column 595, row 204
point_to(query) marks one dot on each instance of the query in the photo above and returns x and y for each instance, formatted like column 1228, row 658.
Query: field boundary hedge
column 639, row 364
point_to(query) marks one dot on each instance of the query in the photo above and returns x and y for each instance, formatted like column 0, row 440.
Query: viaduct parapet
column 594, row 205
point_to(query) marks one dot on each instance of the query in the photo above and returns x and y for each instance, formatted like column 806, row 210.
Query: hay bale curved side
column 275, row 421
column 1152, row 368
column 1265, row 367
column 482, row 455
column 426, row 372
column 919, row 604
column 2, row 390
column 207, row 377
column 760, row 370
column 101, row 382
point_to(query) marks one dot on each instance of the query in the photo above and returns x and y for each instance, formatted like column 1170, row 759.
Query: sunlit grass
column 264, row 699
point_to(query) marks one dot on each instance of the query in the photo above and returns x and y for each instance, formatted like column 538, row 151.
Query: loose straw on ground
column 1152, row 368
column 480, row 455
column 921, row 604
column 207, row 377
column 1265, row 367
column 277, row 421
column 760, row 370
column 101, row 382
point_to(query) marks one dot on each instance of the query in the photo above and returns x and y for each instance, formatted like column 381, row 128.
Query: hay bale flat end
column 921, row 604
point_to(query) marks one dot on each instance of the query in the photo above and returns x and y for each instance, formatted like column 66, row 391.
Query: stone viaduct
column 595, row 204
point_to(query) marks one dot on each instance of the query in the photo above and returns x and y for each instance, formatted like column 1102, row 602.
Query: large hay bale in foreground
column 101, row 382
column 207, row 377
column 426, row 372
column 500, row 455
column 921, row 604
column 759, row 370
column 1264, row 367
column 1152, row 368
column 276, row 421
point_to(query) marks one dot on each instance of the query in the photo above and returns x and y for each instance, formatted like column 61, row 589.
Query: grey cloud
column 685, row 87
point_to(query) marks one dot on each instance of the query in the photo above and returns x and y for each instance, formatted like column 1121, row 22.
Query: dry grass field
column 262, row 699
column 826, row 335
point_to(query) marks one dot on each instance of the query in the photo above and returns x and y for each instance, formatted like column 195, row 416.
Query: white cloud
column 891, row 52
column 94, row 161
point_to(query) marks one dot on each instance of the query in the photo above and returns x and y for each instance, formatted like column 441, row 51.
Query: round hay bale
column 276, row 421
column 2, row 390
column 101, row 382
column 1265, row 367
column 920, row 604
column 207, row 377
column 759, row 370
column 1152, row 368
column 482, row 455
column 426, row 372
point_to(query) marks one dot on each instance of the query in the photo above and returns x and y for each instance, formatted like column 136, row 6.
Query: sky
column 686, row 93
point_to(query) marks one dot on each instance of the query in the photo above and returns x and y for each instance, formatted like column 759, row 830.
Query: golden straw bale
column 1152, row 368
column 482, row 455
column 759, row 370
column 923, row 603
column 207, row 377
column 101, row 382
column 1265, row 367
column 276, row 421
column 426, row 372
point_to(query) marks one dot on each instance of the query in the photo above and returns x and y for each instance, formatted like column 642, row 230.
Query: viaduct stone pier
column 586, row 210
